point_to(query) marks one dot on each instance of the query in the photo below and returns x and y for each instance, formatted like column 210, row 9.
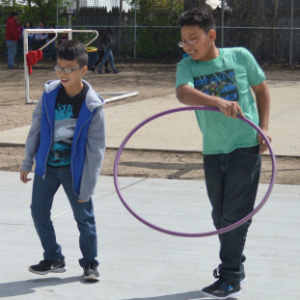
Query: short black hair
column 200, row 17
column 31, row 25
column 73, row 50
column 42, row 22
column 14, row 13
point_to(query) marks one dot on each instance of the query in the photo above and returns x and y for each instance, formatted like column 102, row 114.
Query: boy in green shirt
column 232, row 149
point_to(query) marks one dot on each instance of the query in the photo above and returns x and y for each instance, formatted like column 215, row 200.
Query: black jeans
column 232, row 181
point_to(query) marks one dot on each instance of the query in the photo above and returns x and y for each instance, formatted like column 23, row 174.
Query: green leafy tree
column 36, row 10
column 155, row 42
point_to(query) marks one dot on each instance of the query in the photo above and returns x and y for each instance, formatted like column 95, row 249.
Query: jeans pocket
column 250, row 151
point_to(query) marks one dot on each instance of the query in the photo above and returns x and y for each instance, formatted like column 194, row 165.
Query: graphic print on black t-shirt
column 219, row 84
column 66, row 113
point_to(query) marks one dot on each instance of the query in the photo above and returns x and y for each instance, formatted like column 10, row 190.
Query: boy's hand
column 23, row 176
column 262, row 143
column 81, row 201
column 230, row 108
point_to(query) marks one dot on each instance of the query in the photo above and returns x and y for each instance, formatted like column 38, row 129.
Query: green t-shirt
column 228, row 76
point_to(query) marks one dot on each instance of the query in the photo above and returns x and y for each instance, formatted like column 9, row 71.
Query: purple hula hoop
column 204, row 234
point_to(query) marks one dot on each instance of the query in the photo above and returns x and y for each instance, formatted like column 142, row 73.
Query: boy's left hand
column 81, row 201
column 263, row 145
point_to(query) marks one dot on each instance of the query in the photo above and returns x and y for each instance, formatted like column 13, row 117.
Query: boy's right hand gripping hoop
column 209, row 233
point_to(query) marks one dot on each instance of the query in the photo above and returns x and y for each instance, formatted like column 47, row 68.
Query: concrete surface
column 138, row 263
column 180, row 131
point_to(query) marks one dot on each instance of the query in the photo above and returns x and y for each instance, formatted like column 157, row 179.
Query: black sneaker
column 222, row 289
column 93, row 69
column 216, row 274
column 99, row 72
column 91, row 273
column 107, row 71
column 115, row 71
column 46, row 266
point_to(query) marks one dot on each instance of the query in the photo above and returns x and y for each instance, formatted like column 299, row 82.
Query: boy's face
column 203, row 46
column 70, row 80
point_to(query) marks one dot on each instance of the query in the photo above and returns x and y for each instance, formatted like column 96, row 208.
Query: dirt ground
column 150, row 80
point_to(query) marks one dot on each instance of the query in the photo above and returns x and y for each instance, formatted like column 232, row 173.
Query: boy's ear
column 84, row 70
column 212, row 34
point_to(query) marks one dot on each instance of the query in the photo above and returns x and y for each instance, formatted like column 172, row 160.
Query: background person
column 63, row 38
column 51, row 47
column 106, row 42
column 100, row 55
column 40, row 38
column 11, row 37
column 20, row 29
column 28, row 25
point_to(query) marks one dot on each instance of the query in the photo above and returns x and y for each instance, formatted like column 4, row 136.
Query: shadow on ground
column 18, row 288
column 182, row 296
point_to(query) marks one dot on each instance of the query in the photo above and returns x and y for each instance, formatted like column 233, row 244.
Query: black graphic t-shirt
column 66, row 114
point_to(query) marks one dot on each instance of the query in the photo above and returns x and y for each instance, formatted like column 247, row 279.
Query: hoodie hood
column 9, row 19
column 93, row 100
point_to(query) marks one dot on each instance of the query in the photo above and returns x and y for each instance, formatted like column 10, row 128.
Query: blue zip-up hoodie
column 88, row 145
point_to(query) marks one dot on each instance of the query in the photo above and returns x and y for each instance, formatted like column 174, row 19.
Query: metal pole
column 120, row 23
column 291, row 32
column 70, row 35
column 222, row 33
column 57, row 14
column 134, row 45
column 26, row 72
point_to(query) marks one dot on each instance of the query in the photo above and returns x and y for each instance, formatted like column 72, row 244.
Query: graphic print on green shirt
column 220, row 84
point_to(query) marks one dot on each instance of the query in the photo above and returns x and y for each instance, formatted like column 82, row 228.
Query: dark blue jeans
column 232, row 181
column 107, row 55
column 42, row 199
column 11, row 53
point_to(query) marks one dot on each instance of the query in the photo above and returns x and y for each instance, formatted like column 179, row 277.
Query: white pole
column 70, row 36
column 116, row 98
column 26, row 73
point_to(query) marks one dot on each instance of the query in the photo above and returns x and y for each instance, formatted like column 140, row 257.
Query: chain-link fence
column 270, row 29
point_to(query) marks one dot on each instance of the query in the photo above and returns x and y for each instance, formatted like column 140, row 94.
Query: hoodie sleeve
column 33, row 138
column 95, row 148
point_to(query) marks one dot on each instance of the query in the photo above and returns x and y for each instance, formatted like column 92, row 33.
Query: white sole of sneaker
column 58, row 270
column 221, row 298
column 243, row 280
column 91, row 278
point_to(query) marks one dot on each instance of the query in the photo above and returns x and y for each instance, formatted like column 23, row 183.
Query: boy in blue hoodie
column 223, row 78
column 67, row 140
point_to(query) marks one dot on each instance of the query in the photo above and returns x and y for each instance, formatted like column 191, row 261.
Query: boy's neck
column 213, row 54
column 74, row 90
